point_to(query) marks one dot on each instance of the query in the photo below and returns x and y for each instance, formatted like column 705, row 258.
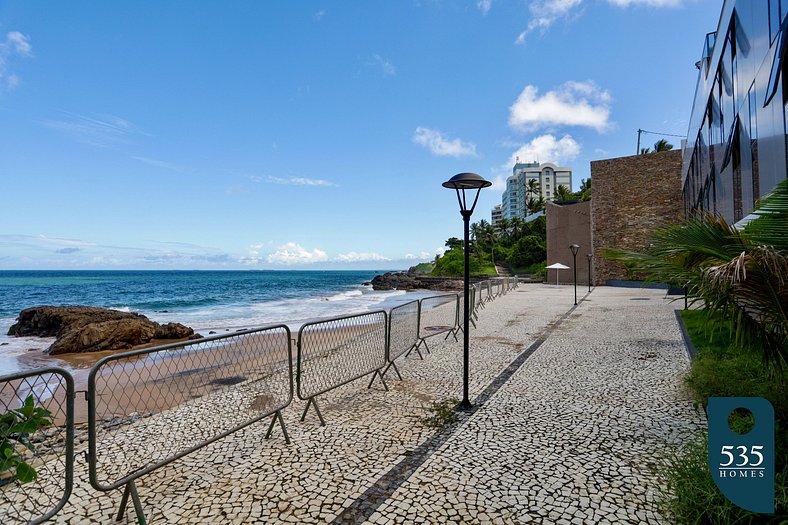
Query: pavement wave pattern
column 577, row 434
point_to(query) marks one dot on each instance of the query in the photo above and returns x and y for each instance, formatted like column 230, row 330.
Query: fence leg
column 391, row 364
column 131, row 489
column 416, row 348
column 313, row 402
column 374, row 375
column 278, row 417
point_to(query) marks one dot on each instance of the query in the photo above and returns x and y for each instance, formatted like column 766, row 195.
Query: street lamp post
column 588, row 256
column 574, row 248
column 460, row 183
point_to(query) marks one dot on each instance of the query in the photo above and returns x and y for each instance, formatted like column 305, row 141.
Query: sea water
column 205, row 300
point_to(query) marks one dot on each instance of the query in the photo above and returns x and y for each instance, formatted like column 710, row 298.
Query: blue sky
column 310, row 134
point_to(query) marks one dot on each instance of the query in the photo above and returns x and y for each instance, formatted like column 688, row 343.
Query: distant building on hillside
column 546, row 178
column 497, row 214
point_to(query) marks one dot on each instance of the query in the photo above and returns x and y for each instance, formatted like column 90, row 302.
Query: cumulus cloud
column 319, row 15
column 571, row 104
column 14, row 45
column 297, row 181
column 545, row 13
column 292, row 253
column 357, row 257
column 484, row 6
column 546, row 148
column 421, row 256
column 440, row 145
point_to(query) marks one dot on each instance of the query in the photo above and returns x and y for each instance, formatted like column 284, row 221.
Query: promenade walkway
column 575, row 411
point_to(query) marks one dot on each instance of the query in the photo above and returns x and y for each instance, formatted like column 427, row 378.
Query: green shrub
column 721, row 369
column 15, row 429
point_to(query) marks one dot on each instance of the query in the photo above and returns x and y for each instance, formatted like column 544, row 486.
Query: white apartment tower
column 547, row 175
column 496, row 215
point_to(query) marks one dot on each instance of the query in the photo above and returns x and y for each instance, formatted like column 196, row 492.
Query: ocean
column 205, row 300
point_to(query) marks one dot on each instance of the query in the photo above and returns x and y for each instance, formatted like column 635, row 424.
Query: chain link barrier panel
column 403, row 333
column 438, row 314
column 147, row 408
column 334, row 352
column 37, row 407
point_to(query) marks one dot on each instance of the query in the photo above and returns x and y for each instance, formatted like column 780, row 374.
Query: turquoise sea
column 204, row 300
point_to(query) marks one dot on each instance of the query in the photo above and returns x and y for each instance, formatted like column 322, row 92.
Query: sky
column 314, row 134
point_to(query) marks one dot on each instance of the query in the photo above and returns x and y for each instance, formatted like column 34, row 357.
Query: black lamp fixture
column 574, row 248
column 589, row 256
column 461, row 183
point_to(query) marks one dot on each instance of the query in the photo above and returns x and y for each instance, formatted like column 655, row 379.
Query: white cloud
column 652, row 3
column 499, row 182
column 158, row 163
column 571, row 104
column 299, row 181
column 484, row 6
column 545, row 13
column 19, row 43
column 440, row 145
column 97, row 130
column 387, row 68
column 421, row 256
column 15, row 44
column 319, row 15
column 357, row 257
column 292, row 253
column 546, row 148
column 440, row 250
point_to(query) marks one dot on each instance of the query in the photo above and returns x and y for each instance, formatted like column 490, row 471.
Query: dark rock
column 211, row 332
column 173, row 331
column 404, row 281
column 92, row 329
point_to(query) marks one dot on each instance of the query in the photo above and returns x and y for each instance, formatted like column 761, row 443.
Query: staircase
column 503, row 271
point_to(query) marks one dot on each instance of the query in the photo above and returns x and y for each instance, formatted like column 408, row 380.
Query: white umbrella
column 556, row 267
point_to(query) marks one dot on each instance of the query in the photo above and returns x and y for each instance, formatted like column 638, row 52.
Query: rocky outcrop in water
column 406, row 281
column 92, row 329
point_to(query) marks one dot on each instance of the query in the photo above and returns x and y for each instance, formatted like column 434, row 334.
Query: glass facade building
column 736, row 144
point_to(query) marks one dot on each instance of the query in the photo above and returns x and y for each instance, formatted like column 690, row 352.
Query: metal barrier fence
column 403, row 333
column 147, row 408
column 37, row 419
column 336, row 351
column 437, row 315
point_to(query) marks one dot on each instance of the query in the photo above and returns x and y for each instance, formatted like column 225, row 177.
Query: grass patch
column 441, row 413
column 721, row 370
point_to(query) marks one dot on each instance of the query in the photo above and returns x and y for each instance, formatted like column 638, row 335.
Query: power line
column 656, row 133
column 641, row 131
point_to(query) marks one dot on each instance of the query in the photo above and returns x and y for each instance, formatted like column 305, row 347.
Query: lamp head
column 574, row 248
column 467, row 181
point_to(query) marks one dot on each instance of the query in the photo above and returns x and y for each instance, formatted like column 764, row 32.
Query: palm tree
column 532, row 188
column 742, row 274
column 517, row 227
column 535, row 205
column 662, row 145
column 503, row 226
column 562, row 193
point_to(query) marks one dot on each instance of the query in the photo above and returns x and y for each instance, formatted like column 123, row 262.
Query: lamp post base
column 464, row 405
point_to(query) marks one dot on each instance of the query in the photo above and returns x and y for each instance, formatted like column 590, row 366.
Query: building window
column 774, row 18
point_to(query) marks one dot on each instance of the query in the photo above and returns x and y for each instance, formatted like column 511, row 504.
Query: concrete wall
column 632, row 196
column 568, row 224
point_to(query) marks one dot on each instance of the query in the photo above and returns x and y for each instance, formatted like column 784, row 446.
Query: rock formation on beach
column 406, row 281
column 93, row 329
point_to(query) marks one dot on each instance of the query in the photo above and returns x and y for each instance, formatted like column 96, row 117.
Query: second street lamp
column 589, row 256
column 574, row 248
column 460, row 183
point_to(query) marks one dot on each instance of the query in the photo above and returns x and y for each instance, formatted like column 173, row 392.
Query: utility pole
column 637, row 151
